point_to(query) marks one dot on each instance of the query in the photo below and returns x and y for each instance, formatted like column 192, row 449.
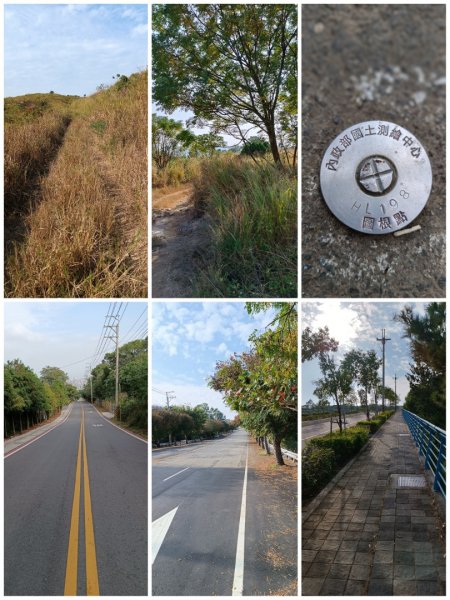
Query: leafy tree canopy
column 232, row 65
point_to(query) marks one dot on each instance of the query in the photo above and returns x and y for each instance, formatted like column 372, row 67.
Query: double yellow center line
column 70, row 586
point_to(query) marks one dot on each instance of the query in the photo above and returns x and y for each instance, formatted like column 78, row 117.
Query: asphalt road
column 76, row 511
column 311, row 429
column 200, row 552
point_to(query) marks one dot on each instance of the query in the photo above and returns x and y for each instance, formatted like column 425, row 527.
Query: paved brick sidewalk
column 369, row 538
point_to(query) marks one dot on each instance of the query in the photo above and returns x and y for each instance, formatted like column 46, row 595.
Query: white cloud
column 191, row 395
column 222, row 349
column 139, row 30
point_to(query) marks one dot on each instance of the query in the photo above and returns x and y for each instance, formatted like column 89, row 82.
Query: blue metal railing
column 431, row 442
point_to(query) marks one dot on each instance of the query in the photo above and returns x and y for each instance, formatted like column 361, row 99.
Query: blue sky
column 189, row 338
column 72, row 48
column 358, row 325
column 58, row 334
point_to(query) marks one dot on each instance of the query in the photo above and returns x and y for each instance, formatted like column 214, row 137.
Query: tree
column 427, row 335
column 315, row 343
column 167, row 134
column 25, row 395
column 364, row 367
column 205, row 144
column 229, row 64
column 255, row 146
column 336, row 382
column 133, row 367
column 261, row 385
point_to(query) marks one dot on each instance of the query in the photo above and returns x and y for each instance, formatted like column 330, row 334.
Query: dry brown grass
column 87, row 236
column 28, row 152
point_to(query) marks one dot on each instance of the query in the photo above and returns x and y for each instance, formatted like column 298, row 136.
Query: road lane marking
column 160, row 527
column 92, row 587
column 8, row 454
column 70, row 586
column 182, row 471
column 238, row 580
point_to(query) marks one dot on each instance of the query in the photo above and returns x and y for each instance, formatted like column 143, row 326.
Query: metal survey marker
column 376, row 177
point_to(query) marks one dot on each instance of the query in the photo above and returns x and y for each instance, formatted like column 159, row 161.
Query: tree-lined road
column 76, row 511
column 207, row 540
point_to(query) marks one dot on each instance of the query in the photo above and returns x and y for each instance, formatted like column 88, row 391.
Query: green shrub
column 318, row 466
column 344, row 445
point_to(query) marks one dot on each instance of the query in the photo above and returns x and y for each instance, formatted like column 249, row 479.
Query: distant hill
column 27, row 108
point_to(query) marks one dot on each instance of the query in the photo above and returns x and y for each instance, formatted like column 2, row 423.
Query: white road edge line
column 238, row 580
column 8, row 454
column 182, row 471
column 160, row 527
column 136, row 437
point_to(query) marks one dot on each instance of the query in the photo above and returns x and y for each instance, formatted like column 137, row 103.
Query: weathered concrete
column 364, row 62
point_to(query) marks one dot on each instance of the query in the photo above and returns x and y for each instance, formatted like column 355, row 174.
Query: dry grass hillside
column 76, row 193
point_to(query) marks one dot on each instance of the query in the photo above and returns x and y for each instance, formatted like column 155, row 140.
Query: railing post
column 438, row 467
column 427, row 456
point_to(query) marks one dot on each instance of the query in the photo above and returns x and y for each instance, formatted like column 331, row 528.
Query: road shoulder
column 271, row 539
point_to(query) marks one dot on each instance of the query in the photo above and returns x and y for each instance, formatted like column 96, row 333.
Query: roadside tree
column 234, row 66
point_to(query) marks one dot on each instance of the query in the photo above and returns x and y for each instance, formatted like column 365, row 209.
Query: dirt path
column 179, row 243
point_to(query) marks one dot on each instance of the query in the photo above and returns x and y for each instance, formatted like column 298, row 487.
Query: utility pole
column 395, row 392
column 169, row 397
column 383, row 341
column 115, row 337
column 92, row 400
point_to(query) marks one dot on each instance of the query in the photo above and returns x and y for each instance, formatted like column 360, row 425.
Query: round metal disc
column 376, row 177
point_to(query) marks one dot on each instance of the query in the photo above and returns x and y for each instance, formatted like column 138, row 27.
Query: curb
column 332, row 483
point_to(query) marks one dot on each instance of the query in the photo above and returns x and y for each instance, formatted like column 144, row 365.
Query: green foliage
column 30, row 399
column 345, row 444
column 323, row 456
column 99, row 126
column 253, row 210
column 229, row 64
column 318, row 467
column 168, row 137
column 427, row 335
column 133, row 382
column 28, row 108
column 261, row 385
column 255, row 146
column 186, row 423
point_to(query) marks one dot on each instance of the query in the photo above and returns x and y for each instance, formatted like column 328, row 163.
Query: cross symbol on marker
column 376, row 175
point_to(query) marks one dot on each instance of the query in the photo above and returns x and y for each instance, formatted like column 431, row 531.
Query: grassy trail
column 24, row 172
column 80, row 198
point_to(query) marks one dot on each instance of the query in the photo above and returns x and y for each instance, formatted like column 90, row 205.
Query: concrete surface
column 370, row 537
column 364, row 62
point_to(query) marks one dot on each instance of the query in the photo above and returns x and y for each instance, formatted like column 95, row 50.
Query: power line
column 135, row 323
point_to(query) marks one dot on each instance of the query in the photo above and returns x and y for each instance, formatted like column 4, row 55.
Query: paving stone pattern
column 369, row 538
